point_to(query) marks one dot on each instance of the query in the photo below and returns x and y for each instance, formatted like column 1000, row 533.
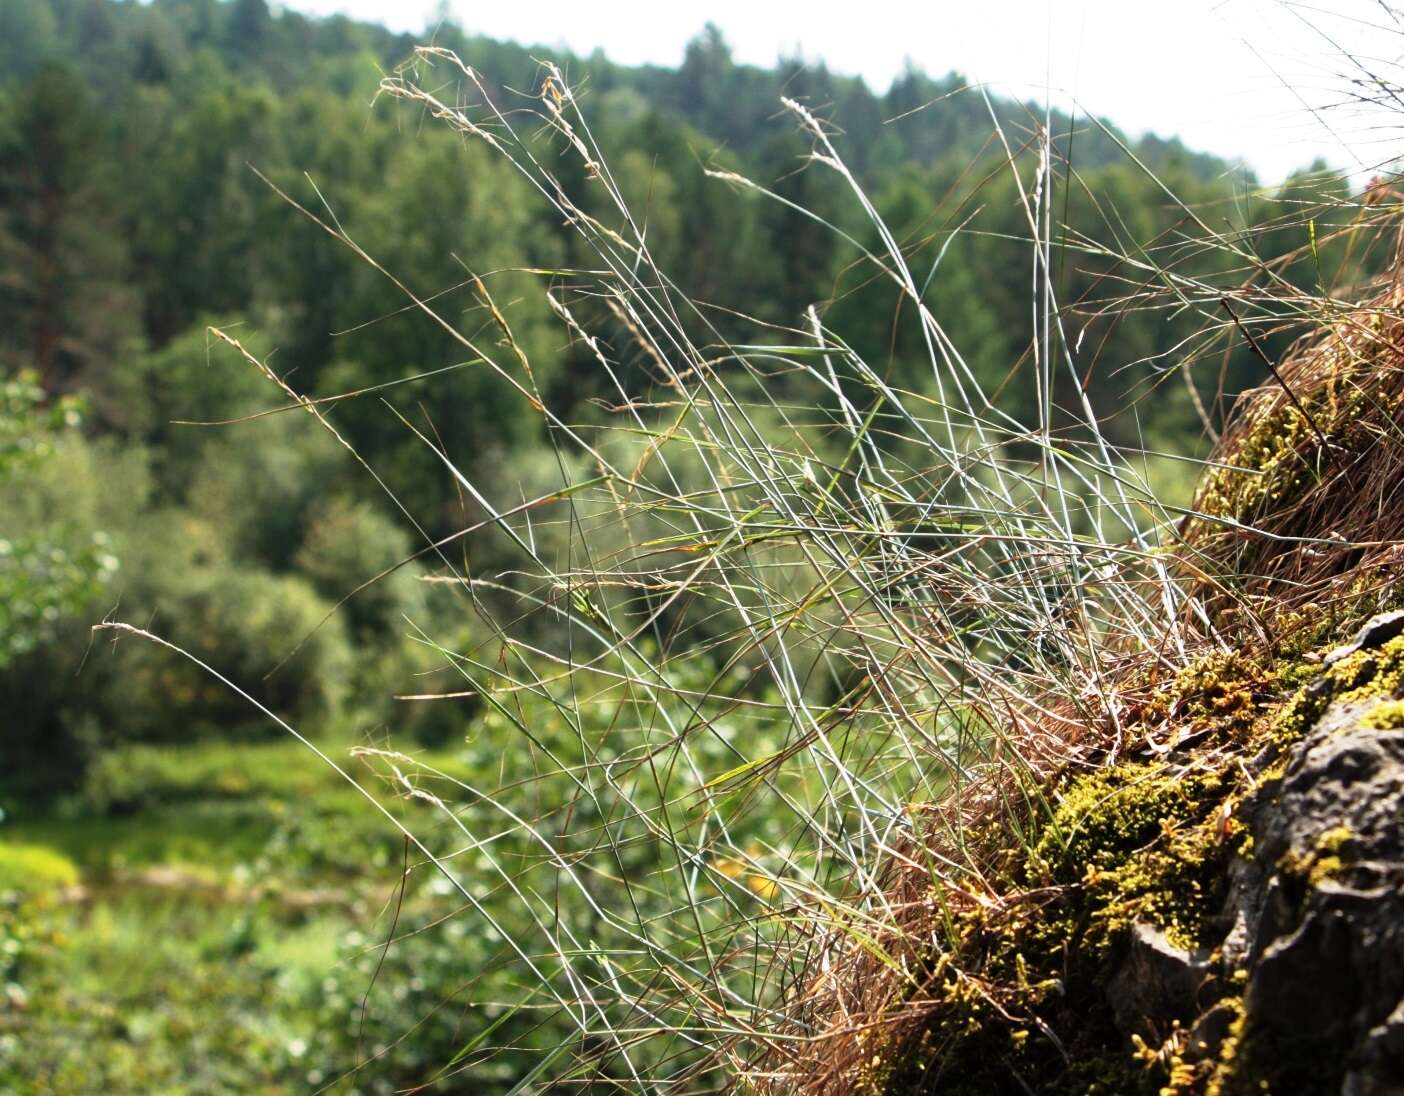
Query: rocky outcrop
column 1223, row 918
column 1299, row 986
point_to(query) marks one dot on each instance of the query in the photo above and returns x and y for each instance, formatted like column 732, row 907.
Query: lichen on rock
column 1227, row 922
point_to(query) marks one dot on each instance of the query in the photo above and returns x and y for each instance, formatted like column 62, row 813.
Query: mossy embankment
column 1207, row 897
column 1125, row 960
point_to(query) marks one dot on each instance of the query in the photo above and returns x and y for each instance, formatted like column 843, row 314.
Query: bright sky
column 1266, row 80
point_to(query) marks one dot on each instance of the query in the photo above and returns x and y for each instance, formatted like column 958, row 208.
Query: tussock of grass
column 1302, row 505
column 1143, row 826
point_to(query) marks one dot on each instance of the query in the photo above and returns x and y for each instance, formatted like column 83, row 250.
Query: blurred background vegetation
column 190, row 902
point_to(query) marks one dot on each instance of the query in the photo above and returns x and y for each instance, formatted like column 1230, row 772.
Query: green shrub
column 34, row 869
column 259, row 483
column 268, row 634
column 349, row 543
column 192, row 378
column 48, row 568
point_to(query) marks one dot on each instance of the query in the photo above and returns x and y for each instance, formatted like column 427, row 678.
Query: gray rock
column 1381, row 1072
column 1155, row 982
column 1315, row 921
column 1375, row 632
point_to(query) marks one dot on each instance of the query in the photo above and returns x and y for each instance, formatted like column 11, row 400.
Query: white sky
column 1242, row 78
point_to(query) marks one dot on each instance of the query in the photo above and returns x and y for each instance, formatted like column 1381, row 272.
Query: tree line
column 150, row 158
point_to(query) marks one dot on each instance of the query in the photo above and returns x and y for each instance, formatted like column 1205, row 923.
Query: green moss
column 1134, row 839
column 1331, row 855
column 1272, row 464
column 1221, row 1072
column 1326, row 861
column 1279, row 455
column 1387, row 715
column 1360, row 676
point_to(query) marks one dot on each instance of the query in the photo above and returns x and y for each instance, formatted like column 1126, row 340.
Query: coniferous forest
column 211, row 210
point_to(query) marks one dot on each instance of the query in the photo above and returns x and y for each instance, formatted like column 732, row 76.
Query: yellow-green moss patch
column 1387, row 715
column 35, row 869
column 1138, row 841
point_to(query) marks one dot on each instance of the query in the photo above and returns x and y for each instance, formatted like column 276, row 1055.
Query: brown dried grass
column 1310, row 508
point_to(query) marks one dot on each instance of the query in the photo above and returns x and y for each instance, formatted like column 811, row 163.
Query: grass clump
column 1143, row 827
column 1297, row 505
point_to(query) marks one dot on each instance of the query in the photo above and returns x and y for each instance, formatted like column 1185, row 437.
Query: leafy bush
column 48, row 570
column 155, row 394
column 246, row 623
column 42, row 582
column 350, row 543
column 258, row 484
column 28, row 422
column 67, row 699
column 34, row 869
